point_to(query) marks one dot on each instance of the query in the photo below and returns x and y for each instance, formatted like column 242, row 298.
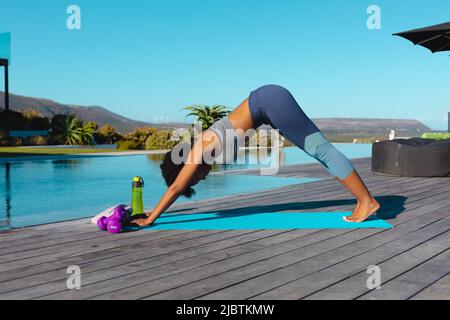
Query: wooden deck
column 414, row 257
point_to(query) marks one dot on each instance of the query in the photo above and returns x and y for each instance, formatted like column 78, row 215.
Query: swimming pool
column 44, row 191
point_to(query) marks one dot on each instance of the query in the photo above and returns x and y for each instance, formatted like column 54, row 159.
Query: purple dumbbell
column 114, row 226
column 114, row 223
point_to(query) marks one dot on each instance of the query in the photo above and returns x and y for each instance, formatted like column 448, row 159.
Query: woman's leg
column 366, row 203
column 277, row 107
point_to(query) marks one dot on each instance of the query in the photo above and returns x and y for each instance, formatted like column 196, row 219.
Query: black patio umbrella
column 435, row 38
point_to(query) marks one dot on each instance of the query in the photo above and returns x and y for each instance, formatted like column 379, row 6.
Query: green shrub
column 140, row 136
column 23, row 120
column 125, row 145
column 11, row 142
column 36, row 141
column 56, row 139
column 35, row 120
column 13, row 120
column 160, row 140
column 107, row 135
column 436, row 135
column 93, row 125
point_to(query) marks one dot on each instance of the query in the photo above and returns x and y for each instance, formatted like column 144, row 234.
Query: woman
column 275, row 106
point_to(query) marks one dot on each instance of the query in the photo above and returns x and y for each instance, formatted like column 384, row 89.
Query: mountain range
column 98, row 114
column 103, row 116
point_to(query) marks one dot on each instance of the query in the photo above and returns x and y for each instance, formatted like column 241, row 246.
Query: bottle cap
column 138, row 180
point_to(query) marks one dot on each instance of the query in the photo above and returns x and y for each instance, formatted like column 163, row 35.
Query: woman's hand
column 143, row 222
column 148, row 214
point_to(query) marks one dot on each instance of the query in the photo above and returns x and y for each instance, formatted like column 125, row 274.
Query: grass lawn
column 11, row 152
column 436, row 135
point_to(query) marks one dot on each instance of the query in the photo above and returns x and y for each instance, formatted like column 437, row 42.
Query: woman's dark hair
column 170, row 169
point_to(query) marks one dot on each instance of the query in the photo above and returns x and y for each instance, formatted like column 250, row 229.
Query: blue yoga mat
column 262, row 221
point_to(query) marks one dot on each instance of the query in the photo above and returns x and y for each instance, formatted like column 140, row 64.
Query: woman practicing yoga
column 274, row 106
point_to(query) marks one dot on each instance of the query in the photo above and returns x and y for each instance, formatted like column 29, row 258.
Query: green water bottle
column 137, row 204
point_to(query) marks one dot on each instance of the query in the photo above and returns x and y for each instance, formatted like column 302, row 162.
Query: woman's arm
column 171, row 195
column 184, row 179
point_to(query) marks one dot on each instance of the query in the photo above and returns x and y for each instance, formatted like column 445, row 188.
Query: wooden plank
column 97, row 238
column 354, row 285
column 331, row 185
column 289, row 288
column 439, row 290
column 194, row 271
column 386, row 207
column 29, row 246
column 140, row 254
column 35, row 237
column 8, row 237
column 38, row 267
column 151, row 250
column 95, row 275
column 93, row 246
column 334, row 182
column 290, row 195
column 54, row 243
column 179, row 263
column 242, row 268
column 295, row 289
column 276, row 271
column 415, row 280
column 303, row 205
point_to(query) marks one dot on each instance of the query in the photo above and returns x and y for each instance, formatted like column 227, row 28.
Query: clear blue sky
column 148, row 59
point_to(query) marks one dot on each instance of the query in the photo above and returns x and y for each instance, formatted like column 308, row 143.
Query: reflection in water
column 257, row 158
column 247, row 159
column 66, row 164
column 156, row 157
column 6, row 221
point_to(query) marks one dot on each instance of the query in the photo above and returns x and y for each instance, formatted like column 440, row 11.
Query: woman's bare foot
column 363, row 211
column 358, row 204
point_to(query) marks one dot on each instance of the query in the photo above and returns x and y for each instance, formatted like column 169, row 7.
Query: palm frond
column 208, row 115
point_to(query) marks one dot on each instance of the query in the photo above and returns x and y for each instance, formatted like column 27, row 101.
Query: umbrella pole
column 4, row 63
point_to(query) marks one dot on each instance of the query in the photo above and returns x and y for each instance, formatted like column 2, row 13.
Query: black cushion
column 414, row 157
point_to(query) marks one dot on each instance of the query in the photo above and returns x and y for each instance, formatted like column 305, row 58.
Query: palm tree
column 207, row 115
column 69, row 127
column 73, row 131
column 87, row 135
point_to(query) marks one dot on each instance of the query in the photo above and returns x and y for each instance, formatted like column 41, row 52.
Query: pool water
column 39, row 192
column 293, row 155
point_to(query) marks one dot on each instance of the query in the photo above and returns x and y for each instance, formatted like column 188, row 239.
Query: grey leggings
column 275, row 106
